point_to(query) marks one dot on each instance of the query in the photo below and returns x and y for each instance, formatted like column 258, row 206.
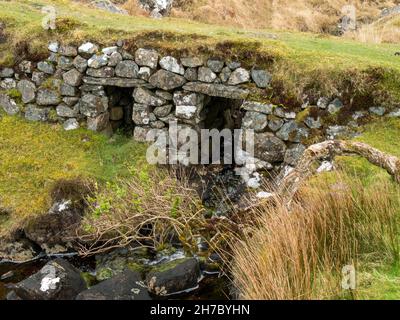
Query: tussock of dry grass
column 299, row 254
column 151, row 208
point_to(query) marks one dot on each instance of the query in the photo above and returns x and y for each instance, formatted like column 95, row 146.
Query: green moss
column 34, row 156
column 89, row 279
column 104, row 274
column 302, row 115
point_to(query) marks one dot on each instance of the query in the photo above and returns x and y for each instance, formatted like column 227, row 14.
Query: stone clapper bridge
column 111, row 88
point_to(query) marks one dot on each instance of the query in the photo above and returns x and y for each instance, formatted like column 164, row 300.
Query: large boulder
column 97, row 61
column 27, row 90
column 46, row 67
column 261, row 78
column 146, row 58
column 91, row 105
column 215, row 65
column 98, row 123
column 8, row 104
column 80, row 64
column 147, row 97
column 171, row 64
column 255, row 120
column 57, row 280
column 174, row 277
column 88, row 49
column 166, row 80
column 269, row 148
column 205, row 74
column 192, row 62
column 33, row 113
column 47, row 97
column 107, row 5
column 239, row 76
column 124, row 286
column 127, row 69
column 73, row 78
column 57, row 227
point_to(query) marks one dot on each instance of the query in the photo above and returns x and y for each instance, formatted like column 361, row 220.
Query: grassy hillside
column 297, row 60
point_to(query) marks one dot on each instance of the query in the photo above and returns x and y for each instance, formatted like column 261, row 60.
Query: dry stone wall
column 104, row 88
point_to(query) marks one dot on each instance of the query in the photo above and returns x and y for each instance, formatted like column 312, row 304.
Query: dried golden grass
column 299, row 254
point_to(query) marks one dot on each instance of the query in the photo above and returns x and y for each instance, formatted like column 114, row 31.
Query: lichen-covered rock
column 104, row 72
column 67, row 90
column 239, row 76
column 164, row 94
column 294, row 153
column 215, row 65
column 8, row 83
column 335, row 106
column 98, row 123
column 217, row 90
column 275, row 123
column 313, row 123
column 127, row 69
column 114, row 59
column 124, row 286
column 57, row 280
column 167, row 80
column 6, row 73
column 322, row 103
column 171, row 64
column 65, row 63
column 88, row 49
column 268, row 147
column 162, row 111
column 142, row 114
column 233, row 65
column 205, row 74
column 70, row 101
column 146, row 58
column 71, row 124
column 26, row 67
column 97, row 61
column 144, row 73
column 255, row 120
column 292, row 132
column 73, row 78
column 145, row 96
column 261, row 78
column 191, row 74
column 378, row 111
column 109, row 6
column 33, row 113
column 65, row 111
column 91, row 105
column 53, row 47
column 27, row 90
column 80, row 64
column 39, row 77
column 173, row 277
column 225, row 74
column 192, row 62
column 68, row 51
column 47, row 97
column 258, row 107
column 8, row 105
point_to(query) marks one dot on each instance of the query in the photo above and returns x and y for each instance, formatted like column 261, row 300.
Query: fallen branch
column 290, row 184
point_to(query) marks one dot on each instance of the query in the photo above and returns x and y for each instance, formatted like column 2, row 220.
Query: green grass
column 34, row 155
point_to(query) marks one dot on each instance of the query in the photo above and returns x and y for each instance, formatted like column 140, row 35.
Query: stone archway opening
column 120, row 104
column 222, row 113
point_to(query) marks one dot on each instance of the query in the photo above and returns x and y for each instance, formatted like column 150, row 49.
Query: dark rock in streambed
column 57, row 280
column 174, row 277
column 57, row 227
column 127, row 285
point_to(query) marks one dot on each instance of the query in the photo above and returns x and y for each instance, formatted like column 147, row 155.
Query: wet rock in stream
column 127, row 285
column 57, row 280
